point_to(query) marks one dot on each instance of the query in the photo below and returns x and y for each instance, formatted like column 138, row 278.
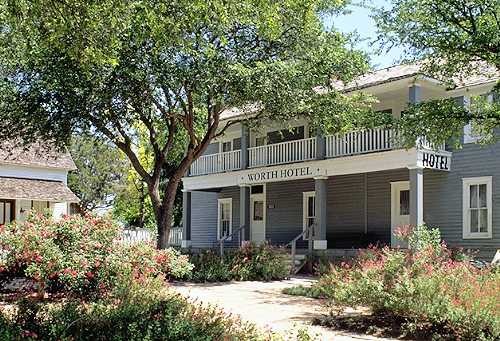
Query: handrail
column 294, row 240
column 293, row 244
column 222, row 240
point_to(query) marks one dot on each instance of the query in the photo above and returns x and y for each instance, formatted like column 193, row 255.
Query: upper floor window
column 477, row 207
column 296, row 133
column 226, row 146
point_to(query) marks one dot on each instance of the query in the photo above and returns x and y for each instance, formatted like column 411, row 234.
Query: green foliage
column 447, row 34
column 119, row 68
column 82, row 256
column 313, row 291
column 428, row 286
column 452, row 40
column 163, row 317
column 101, row 169
column 250, row 262
column 442, row 120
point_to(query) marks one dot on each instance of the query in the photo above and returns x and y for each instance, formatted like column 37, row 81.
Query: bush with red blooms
column 427, row 284
column 80, row 255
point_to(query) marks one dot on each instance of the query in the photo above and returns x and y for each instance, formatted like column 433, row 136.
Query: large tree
column 452, row 40
column 450, row 36
column 111, row 66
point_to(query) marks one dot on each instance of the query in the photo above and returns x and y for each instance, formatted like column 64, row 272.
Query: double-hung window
column 309, row 210
column 477, row 207
column 225, row 218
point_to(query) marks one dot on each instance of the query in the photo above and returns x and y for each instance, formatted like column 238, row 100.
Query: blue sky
column 359, row 20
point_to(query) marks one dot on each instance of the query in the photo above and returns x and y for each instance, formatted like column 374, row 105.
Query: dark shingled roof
column 45, row 190
column 36, row 155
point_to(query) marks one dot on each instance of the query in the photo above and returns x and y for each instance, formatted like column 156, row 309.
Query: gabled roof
column 483, row 74
column 35, row 155
column 32, row 189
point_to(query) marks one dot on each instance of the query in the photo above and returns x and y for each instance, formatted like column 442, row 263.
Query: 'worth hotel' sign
column 280, row 174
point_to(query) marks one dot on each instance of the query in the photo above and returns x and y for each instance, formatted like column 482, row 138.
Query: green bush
column 163, row 317
column 81, row 255
column 426, row 285
column 251, row 262
column 313, row 291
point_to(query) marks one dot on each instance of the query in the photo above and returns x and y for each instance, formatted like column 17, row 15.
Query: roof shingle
column 46, row 190
column 36, row 155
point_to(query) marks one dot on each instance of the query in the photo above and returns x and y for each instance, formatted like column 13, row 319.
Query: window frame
column 466, row 228
column 220, row 202
column 305, row 206
column 221, row 146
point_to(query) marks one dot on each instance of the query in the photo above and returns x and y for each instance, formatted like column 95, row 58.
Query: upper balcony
column 300, row 150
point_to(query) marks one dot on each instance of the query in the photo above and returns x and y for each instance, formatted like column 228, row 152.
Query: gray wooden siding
column 346, row 205
column 213, row 148
column 203, row 219
column 379, row 202
column 284, row 220
column 345, row 210
column 443, row 196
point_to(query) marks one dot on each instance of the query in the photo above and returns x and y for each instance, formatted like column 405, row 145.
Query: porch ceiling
column 31, row 189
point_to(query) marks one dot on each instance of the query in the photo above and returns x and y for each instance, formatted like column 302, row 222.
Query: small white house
column 33, row 178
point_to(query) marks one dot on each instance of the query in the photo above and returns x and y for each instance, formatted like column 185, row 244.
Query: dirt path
column 263, row 304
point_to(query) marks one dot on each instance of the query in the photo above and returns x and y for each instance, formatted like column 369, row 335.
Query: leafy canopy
column 452, row 40
column 449, row 35
column 173, row 68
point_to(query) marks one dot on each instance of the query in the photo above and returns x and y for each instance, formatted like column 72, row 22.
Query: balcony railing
column 216, row 163
column 283, row 152
column 339, row 145
column 359, row 142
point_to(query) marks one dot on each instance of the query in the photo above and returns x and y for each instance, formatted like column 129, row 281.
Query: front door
column 258, row 217
column 400, row 209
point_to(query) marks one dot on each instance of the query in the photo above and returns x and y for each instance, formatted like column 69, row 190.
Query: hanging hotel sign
column 280, row 174
column 439, row 160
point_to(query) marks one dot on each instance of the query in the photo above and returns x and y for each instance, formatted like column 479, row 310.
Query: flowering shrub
column 81, row 255
column 141, row 316
column 251, row 262
column 426, row 285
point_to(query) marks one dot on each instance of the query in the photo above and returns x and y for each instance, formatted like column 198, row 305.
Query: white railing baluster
column 359, row 142
column 216, row 163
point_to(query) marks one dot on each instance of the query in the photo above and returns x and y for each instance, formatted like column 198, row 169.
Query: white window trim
column 225, row 141
column 305, row 197
column 466, row 183
column 219, row 203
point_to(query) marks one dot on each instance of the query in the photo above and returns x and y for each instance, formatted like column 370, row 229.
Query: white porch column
column 416, row 197
column 245, row 143
column 320, row 145
column 186, row 219
column 320, row 242
column 245, row 211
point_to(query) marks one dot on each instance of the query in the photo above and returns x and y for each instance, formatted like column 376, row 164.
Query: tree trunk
column 163, row 209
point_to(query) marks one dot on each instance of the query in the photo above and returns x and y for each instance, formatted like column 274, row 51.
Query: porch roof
column 33, row 189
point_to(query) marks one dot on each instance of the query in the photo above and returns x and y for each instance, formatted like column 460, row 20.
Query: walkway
column 263, row 304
